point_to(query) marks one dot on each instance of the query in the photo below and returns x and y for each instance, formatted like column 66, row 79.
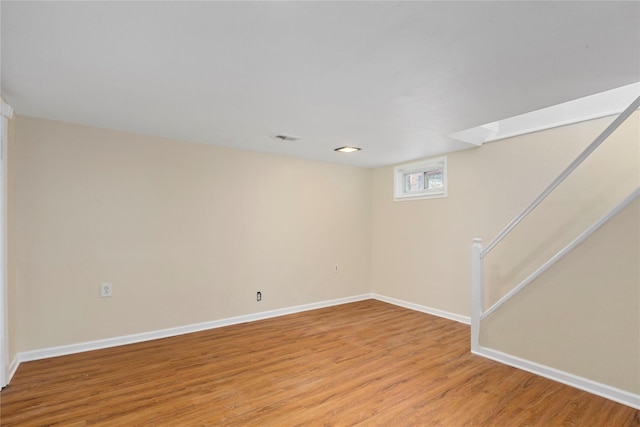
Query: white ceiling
column 391, row 77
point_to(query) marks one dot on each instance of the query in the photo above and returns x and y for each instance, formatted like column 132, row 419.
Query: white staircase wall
column 603, row 180
column 583, row 315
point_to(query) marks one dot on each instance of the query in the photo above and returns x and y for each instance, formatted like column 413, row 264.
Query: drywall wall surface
column 421, row 248
column 185, row 233
column 605, row 178
column 583, row 315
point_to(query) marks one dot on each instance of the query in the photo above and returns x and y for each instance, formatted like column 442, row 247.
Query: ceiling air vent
column 287, row 137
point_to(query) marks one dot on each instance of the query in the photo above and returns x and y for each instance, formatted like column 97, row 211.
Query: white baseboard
column 180, row 330
column 423, row 309
column 13, row 367
column 599, row 389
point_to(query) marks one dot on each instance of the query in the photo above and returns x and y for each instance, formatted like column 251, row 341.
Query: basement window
column 421, row 180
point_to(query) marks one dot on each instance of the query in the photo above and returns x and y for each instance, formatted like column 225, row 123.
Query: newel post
column 477, row 294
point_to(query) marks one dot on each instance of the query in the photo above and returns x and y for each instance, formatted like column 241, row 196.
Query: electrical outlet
column 336, row 269
column 105, row 290
column 259, row 296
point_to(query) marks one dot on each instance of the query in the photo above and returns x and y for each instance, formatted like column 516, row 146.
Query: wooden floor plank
column 367, row 363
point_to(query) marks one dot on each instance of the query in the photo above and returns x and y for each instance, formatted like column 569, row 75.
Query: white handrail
column 585, row 153
column 478, row 253
column 558, row 256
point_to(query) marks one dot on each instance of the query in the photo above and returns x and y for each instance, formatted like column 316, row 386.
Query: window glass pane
column 414, row 181
column 434, row 179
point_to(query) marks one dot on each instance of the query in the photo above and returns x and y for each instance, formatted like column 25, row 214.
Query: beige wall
column 583, row 315
column 186, row 233
column 421, row 248
column 610, row 174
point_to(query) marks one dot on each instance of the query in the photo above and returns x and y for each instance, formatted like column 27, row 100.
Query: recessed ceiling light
column 347, row 149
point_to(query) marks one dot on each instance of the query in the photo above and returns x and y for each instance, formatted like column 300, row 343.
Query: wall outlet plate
column 105, row 290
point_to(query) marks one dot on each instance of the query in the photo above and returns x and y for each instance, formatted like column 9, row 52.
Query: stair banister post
column 477, row 292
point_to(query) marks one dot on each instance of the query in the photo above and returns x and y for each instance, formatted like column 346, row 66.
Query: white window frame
column 400, row 172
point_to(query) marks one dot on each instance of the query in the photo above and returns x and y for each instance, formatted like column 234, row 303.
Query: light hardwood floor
column 367, row 363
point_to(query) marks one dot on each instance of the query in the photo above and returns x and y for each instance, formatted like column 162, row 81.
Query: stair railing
column 478, row 252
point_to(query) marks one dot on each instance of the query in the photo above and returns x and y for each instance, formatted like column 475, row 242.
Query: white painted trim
column 13, row 367
column 64, row 350
column 605, row 391
column 180, row 330
column 603, row 104
column 477, row 291
column 563, row 252
column 399, row 172
column 424, row 309
column 564, row 174
column 581, row 383
column 7, row 112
